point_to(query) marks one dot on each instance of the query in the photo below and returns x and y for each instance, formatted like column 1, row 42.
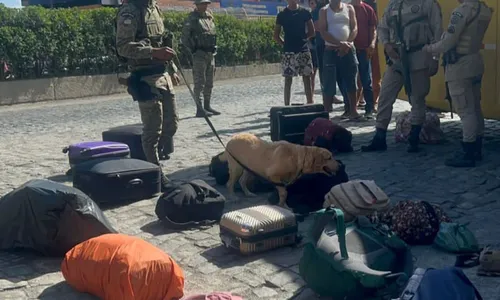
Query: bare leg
column 313, row 79
column 288, row 90
column 308, row 89
column 353, row 112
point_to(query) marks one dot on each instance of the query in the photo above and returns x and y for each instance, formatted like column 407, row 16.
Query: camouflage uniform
column 464, row 68
column 199, row 37
column 140, row 29
column 421, row 24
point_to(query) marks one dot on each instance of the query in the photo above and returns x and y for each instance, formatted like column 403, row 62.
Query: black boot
column 414, row 139
column 164, row 181
column 467, row 160
column 165, row 148
column 378, row 142
column 208, row 108
column 200, row 112
column 479, row 148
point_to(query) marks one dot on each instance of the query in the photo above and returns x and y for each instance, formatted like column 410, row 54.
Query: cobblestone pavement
column 33, row 135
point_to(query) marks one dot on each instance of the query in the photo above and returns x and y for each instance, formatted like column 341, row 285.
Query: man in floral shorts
column 298, row 28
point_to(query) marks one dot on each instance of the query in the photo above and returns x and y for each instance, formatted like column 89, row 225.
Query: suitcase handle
column 100, row 147
column 133, row 182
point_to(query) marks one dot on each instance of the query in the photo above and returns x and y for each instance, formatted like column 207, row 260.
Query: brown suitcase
column 258, row 228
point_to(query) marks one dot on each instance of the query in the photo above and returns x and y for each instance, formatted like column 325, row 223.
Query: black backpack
column 190, row 203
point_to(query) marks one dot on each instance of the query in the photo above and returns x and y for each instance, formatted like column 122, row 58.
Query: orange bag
column 121, row 267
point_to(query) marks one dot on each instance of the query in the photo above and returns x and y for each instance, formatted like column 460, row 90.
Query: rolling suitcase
column 283, row 127
column 132, row 136
column 117, row 180
column 85, row 151
column 259, row 228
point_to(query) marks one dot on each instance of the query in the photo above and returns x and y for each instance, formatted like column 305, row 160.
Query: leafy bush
column 38, row 42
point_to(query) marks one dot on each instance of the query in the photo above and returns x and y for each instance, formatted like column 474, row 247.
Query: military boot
column 479, row 148
column 414, row 139
column 200, row 112
column 466, row 160
column 378, row 142
column 206, row 104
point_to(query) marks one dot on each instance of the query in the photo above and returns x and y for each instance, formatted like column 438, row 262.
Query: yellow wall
column 490, row 94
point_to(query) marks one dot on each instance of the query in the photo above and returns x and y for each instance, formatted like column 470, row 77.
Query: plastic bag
column 456, row 238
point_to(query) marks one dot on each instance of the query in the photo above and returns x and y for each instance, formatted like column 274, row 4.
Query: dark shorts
column 344, row 68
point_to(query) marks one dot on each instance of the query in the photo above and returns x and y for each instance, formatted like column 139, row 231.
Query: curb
column 64, row 88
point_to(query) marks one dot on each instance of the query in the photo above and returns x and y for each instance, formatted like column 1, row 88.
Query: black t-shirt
column 294, row 26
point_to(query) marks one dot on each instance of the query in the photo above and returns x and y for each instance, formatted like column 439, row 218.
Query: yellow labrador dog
column 280, row 162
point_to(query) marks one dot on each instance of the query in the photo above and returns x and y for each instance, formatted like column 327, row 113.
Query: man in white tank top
column 338, row 27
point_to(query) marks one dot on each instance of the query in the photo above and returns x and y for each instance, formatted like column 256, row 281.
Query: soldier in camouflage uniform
column 464, row 68
column 199, row 37
column 140, row 36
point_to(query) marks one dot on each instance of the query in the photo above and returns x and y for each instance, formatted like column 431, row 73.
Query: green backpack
column 357, row 260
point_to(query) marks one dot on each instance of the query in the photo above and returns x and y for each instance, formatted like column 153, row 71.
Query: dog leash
column 211, row 125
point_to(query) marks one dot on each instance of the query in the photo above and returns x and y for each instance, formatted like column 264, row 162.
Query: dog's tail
column 223, row 156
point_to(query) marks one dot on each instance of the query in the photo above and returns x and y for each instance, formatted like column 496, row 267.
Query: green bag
column 456, row 238
column 355, row 260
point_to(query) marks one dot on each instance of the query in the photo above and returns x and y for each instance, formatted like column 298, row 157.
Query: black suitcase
column 131, row 135
column 279, row 132
column 117, row 180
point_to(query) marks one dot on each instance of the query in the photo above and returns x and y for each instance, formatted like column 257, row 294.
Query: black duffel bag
column 190, row 203
column 307, row 194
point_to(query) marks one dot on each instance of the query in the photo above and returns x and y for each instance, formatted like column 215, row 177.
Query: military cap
column 202, row 1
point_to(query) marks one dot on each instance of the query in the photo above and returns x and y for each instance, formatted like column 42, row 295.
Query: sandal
column 466, row 261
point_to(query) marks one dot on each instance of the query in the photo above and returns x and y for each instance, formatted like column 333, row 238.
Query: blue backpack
column 440, row 284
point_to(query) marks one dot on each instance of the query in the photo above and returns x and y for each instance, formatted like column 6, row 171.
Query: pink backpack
column 213, row 296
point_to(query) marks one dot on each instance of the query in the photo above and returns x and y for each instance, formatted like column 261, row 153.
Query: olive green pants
column 466, row 98
column 159, row 116
column 203, row 74
column 392, row 83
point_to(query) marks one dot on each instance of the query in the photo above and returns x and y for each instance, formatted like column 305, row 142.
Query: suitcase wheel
column 65, row 150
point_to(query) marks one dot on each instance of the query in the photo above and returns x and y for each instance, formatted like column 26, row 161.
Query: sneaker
column 369, row 115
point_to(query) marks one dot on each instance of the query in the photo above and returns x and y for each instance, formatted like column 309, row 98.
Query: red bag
column 326, row 134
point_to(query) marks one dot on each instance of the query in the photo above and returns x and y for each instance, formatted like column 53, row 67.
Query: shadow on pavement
column 23, row 265
column 232, row 131
column 62, row 290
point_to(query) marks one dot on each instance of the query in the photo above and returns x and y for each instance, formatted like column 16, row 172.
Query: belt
column 156, row 70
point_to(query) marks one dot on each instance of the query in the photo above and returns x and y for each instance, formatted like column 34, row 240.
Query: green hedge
column 38, row 42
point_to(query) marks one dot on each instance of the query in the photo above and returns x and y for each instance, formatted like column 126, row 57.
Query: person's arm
column 458, row 23
column 372, row 27
column 126, row 45
column 277, row 30
column 186, row 38
column 323, row 28
column 353, row 23
column 310, row 26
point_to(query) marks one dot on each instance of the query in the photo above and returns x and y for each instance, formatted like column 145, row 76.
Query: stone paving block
column 466, row 195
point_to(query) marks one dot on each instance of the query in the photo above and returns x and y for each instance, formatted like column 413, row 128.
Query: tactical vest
column 411, row 18
column 470, row 41
column 150, row 32
column 203, row 33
